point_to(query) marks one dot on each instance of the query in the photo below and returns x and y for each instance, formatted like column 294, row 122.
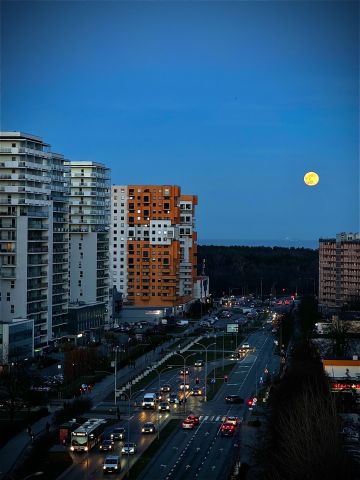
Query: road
column 203, row 453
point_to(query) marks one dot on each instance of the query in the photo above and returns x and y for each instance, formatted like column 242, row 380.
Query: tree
column 15, row 384
column 339, row 333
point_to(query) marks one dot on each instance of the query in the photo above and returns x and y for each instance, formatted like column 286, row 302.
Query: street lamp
column 115, row 372
column 206, row 349
column 129, row 397
column 158, row 414
column 184, row 358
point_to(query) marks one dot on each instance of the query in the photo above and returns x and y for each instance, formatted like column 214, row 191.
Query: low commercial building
column 16, row 340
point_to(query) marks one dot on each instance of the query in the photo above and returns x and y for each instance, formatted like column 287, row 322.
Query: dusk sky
column 234, row 102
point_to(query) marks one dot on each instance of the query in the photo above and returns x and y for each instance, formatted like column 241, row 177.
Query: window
column 12, row 309
column 13, row 145
column 12, row 285
column 8, row 296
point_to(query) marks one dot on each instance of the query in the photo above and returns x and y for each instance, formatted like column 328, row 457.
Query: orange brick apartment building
column 153, row 245
column 339, row 270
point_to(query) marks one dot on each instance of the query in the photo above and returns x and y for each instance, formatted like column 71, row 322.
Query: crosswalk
column 212, row 418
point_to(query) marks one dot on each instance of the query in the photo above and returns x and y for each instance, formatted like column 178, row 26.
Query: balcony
column 8, row 271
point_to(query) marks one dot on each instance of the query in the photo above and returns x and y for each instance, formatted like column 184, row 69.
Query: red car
column 194, row 419
column 190, row 422
column 227, row 429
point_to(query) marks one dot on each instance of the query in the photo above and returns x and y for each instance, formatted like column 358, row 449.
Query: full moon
column 311, row 179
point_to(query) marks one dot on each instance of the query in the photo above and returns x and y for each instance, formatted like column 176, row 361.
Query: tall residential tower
column 153, row 245
column 33, row 235
column 339, row 270
column 89, row 235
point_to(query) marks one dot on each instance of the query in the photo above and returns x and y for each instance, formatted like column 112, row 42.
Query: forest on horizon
column 241, row 270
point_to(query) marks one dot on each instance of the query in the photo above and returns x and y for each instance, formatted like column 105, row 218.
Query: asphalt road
column 194, row 453
column 202, row 453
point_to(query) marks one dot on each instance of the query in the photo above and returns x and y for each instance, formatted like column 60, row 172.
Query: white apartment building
column 89, row 233
column 33, row 234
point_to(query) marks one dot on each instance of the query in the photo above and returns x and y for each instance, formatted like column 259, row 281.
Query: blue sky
column 234, row 102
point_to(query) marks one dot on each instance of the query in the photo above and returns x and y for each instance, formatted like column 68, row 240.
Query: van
column 149, row 400
column 112, row 464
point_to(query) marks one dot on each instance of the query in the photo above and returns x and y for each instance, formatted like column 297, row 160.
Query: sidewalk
column 12, row 451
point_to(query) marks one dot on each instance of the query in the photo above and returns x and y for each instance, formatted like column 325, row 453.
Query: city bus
column 89, row 434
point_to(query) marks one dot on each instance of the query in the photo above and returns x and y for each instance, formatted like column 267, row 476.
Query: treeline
column 274, row 270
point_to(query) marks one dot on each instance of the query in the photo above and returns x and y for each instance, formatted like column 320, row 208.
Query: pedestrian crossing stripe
column 213, row 418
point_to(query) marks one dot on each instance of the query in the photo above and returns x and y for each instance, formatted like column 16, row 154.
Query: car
column 118, row 434
column 245, row 346
column 106, row 445
column 196, row 391
column 234, row 356
column 173, row 398
column 129, row 448
column 187, row 424
column 233, row 399
column 163, row 407
column 233, row 420
column 186, row 371
column 148, row 427
column 185, row 386
column 194, row 418
column 204, row 323
column 198, row 363
column 227, row 429
column 165, row 388
column 112, row 464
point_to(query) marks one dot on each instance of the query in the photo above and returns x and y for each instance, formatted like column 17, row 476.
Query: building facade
column 339, row 271
column 33, row 234
column 153, row 245
column 89, row 234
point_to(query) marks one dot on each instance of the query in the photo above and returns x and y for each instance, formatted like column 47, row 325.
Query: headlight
column 143, row 404
column 86, row 449
column 152, row 404
column 143, row 429
column 116, row 467
column 104, row 467
column 72, row 449
column 151, row 429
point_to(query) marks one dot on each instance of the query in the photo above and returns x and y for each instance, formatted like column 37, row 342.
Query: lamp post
column 206, row 349
column 158, row 412
column 115, row 372
column 129, row 397
column 184, row 358
column 215, row 355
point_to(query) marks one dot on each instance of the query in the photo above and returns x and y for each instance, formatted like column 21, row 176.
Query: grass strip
column 153, row 449
column 213, row 388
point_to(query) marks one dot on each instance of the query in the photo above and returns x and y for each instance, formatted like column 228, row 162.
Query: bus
column 87, row 435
